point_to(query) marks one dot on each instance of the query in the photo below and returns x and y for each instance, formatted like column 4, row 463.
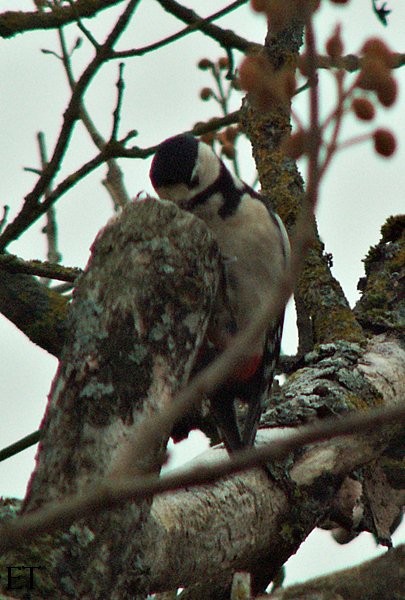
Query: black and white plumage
column 255, row 247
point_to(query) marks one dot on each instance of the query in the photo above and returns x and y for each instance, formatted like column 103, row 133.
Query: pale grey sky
column 161, row 98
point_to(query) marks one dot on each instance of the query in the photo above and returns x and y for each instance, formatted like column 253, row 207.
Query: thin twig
column 86, row 32
column 50, row 228
column 31, row 207
column 118, row 106
column 195, row 25
column 84, row 115
column 222, row 98
column 114, row 182
column 3, row 220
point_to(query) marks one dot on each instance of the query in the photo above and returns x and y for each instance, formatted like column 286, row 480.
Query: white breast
column 253, row 243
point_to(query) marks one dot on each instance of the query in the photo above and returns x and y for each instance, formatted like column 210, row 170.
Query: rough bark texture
column 141, row 266
column 138, row 317
column 35, row 309
column 205, row 534
column 382, row 305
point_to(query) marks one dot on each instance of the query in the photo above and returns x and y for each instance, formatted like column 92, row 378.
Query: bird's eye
column 195, row 180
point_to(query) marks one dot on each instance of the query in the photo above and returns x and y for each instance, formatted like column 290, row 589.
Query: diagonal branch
column 225, row 37
column 13, row 22
column 112, row 493
column 29, row 215
column 197, row 25
column 71, row 114
column 13, row 264
column 114, row 181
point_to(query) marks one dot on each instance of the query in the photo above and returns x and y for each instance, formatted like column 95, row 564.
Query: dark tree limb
column 13, row 264
column 13, row 22
column 22, row 444
column 197, row 24
column 35, row 309
column 380, row 579
column 225, row 37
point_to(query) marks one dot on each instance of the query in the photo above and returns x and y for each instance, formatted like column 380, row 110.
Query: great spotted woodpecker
column 255, row 247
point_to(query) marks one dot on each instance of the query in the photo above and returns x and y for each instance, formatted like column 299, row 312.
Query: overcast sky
column 161, row 98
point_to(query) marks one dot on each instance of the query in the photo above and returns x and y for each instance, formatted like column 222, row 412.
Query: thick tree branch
column 177, row 531
column 35, row 309
column 380, row 579
column 138, row 317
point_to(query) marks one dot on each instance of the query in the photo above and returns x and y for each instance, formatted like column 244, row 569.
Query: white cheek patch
column 207, row 167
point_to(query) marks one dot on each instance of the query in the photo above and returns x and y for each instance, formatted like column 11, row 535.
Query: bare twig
column 86, row 32
column 50, row 228
column 84, row 116
column 120, row 96
column 112, row 493
column 225, row 37
column 32, row 206
column 3, row 220
column 196, row 25
column 114, row 182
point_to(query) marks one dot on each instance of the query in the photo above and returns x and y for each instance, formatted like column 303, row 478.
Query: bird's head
column 182, row 168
